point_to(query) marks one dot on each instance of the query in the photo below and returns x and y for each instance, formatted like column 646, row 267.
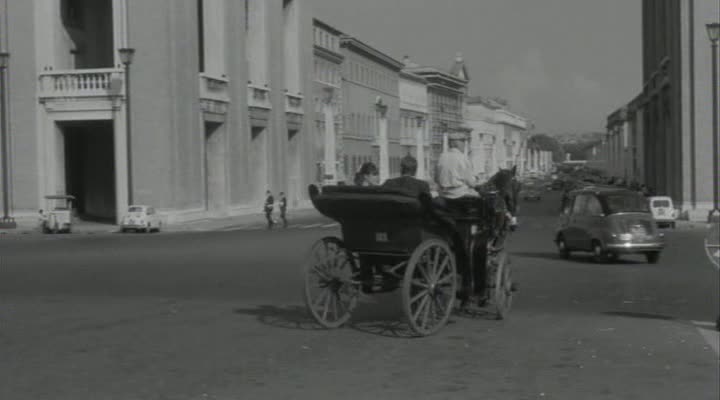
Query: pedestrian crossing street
column 256, row 227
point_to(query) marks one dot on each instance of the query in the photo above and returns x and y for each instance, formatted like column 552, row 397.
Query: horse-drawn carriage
column 393, row 239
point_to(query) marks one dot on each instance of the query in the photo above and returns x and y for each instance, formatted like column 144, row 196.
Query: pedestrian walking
column 269, row 206
column 283, row 209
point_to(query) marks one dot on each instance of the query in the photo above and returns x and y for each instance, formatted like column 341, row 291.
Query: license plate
column 638, row 231
column 381, row 237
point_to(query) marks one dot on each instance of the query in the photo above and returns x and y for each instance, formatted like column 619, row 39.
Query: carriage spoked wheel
column 501, row 291
column 429, row 286
column 331, row 292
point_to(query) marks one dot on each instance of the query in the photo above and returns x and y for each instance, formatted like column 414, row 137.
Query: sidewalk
column 29, row 227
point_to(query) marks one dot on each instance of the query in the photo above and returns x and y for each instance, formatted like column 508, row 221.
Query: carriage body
column 389, row 235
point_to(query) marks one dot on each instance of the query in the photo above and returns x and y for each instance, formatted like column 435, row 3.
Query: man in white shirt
column 454, row 175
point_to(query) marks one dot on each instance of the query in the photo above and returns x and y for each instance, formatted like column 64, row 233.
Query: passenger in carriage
column 407, row 182
column 367, row 176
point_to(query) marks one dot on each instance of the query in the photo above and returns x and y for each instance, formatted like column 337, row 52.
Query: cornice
column 329, row 55
column 356, row 45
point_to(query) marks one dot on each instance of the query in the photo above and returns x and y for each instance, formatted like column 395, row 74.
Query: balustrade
column 259, row 97
column 293, row 104
column 81, row 83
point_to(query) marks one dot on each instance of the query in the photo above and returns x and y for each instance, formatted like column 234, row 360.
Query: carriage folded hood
column 356, row 202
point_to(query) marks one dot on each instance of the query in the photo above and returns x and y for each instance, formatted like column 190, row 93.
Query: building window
column 201, row 35
column 72, row 13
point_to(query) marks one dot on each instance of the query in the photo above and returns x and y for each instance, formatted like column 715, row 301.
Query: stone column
column 382, row 139
column 330, row 162
column 420, row 147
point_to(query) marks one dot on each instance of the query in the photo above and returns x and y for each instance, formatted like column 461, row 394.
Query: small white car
column 141, row 219
column 663, row 210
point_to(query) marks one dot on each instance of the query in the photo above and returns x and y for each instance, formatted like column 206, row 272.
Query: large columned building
column 663, row 137
column 216, row 100
column 371, row 108
column 446, row 96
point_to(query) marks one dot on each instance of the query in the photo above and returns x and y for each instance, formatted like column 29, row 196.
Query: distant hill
column 578, row 137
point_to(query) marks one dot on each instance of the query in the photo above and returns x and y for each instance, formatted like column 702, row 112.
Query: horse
column 508, row 187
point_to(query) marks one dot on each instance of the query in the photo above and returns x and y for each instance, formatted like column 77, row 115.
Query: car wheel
column 562, row 248
column 672, row 224
column 123, row 230
column 599, row 254
column 652, row 257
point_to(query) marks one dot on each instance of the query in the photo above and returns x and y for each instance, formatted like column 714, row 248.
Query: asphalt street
column 219, row 315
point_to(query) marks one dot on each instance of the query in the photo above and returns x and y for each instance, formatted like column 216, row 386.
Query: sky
column 565, row 64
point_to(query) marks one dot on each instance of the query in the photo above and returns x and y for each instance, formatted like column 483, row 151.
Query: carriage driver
column 454, row 175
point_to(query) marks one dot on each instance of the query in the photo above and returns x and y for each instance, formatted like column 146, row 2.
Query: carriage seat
column 469, row 208
column 358, row 202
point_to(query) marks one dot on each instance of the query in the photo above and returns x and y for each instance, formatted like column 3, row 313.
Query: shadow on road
column 288, row 317
column 543, row 255
column 631, row 314
column 386, row 328
column 580, row 258
column 367, row 318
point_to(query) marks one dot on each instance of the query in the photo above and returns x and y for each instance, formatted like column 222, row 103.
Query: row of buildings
column 372, row 107
column 198, row 107
column 664, row 136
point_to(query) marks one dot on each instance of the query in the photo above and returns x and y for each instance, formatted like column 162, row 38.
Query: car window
column 661, row 203
column 626, row 202
column 593, row 206
column 150, row 211
column 135, row 209
column 580, row 205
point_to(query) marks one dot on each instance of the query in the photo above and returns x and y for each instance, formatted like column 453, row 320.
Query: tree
column 548, row 143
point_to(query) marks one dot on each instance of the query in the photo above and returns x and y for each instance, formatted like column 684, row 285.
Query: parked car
column 141, row 218
column 608, row 222
column 58, row 214
column 663, row 210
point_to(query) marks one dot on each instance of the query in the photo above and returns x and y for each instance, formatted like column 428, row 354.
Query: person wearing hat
column 454, row 175
column 407, row 182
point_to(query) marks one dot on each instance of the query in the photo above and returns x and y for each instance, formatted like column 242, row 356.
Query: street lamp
column 126, row 57
column 7, row 221
column 713, row 31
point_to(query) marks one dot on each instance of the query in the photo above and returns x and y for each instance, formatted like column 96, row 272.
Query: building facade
column 498, row 138
column 210, row 148
column 446, row 97
column 371, row 109
column 664, row 136
column 328, row 101
column 414, row 133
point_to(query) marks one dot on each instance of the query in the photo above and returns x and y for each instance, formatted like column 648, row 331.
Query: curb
column 202, row 225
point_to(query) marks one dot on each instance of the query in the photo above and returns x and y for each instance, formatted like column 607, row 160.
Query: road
column 219, row 315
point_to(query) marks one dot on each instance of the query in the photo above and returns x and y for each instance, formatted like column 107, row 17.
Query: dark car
column 557, row 184
column 608, row 222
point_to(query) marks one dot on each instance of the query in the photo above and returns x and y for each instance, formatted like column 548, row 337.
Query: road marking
column 709, row 333
column 331, row 225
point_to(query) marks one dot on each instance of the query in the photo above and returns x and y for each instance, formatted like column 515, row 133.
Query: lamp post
column 126, row 57
column 713, row 31
column 384, row 165
column 7, row 221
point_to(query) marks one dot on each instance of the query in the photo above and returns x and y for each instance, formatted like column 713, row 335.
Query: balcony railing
column 82, row 83
column 294, row 104
column 259, row 97
column 214, row 88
